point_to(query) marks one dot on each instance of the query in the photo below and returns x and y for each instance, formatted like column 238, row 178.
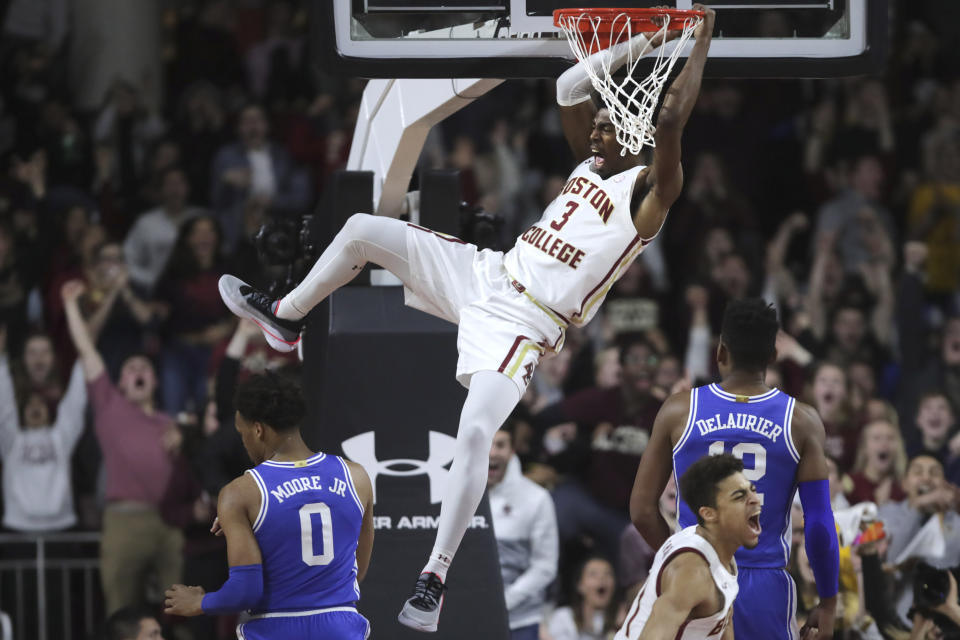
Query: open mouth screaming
column 598, row 159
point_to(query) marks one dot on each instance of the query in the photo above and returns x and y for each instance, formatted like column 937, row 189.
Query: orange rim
column 602, row 20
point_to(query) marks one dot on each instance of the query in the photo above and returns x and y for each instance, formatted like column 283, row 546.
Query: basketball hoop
column 631, row 102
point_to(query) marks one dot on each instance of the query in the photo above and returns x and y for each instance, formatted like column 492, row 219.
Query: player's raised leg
column 364, row 238
column 491, row 398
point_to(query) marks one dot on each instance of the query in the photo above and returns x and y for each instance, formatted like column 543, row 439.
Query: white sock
column 491, row 398
column 439, row 563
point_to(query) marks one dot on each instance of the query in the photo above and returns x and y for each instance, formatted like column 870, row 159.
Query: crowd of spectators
column 837, row 200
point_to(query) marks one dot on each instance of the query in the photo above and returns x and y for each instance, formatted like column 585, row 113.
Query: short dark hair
column 171, row 169
column 749, row 332
column 137, row 353
column 925, row 455
column 698, row 485
column 272, row 399
column 125, row 623
column 934, row 393
column 247, row 106
column 35, row 334
column 628, row 342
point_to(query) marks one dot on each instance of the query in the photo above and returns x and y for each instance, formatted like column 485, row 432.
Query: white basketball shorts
column 501, row 327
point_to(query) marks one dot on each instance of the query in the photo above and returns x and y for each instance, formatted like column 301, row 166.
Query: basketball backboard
column 517, row 38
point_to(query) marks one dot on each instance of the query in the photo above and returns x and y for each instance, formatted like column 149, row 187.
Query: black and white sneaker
column 246, row 302
column 422, row 611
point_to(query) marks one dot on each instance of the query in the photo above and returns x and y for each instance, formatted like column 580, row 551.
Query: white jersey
column 583, row 243
column 699, row 628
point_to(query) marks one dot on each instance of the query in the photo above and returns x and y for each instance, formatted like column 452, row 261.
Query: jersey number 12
column 741, row 449
column 306, row 534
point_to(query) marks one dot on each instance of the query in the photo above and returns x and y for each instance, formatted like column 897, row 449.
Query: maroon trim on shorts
column 559, row 339
column 442, row 237
column 513, row 349
column 522, row 289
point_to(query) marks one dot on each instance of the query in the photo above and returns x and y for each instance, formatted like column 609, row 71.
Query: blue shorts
column 338, row 623
column 766, row 605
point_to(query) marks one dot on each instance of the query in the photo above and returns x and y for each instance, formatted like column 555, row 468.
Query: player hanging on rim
column 299, row 529
column 692, row 585
column 512, row 309
column 781, row 442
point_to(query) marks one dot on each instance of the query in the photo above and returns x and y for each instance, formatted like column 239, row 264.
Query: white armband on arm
column 573, row 85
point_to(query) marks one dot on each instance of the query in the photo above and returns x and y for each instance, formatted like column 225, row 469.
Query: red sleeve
column 862, row 489
column 897, row 494
column 794, row 378
column 851, row 440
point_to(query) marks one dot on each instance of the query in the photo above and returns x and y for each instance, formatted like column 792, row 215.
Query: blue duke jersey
column 755, row 429
column 307, row 529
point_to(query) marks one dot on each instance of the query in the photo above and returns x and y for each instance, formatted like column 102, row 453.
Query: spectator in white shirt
column 37, row 491
column 149, row 243
column 594, row 613
column 525, row 526
column 929, row 496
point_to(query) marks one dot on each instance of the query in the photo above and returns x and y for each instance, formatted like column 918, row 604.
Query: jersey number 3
column 741, row 449
column 556, row 225
column 306, row 534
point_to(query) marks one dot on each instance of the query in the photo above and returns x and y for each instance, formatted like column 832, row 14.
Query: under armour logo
column 362, row 450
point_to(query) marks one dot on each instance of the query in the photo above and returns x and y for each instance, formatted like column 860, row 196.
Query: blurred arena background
column 830, row 187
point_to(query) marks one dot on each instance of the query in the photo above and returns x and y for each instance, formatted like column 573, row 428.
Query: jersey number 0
column 306, row 534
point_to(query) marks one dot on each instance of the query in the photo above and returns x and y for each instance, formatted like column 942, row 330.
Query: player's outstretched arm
column 361, row 482
column 576, row 119
column 685, row 583
column 666, row 176
column 573, row 92
column 820, row 533
column 654, row 470
column 244, row 588
column 574, row 87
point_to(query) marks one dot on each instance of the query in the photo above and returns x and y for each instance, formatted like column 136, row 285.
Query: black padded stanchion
column 440, row 200
column 391, row 403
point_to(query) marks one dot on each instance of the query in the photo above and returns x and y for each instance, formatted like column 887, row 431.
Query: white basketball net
column 631, row 103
